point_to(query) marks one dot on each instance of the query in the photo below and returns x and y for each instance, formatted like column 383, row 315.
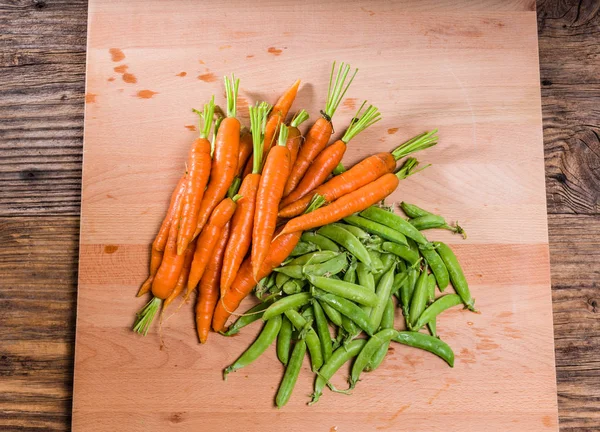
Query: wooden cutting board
column 469, row 68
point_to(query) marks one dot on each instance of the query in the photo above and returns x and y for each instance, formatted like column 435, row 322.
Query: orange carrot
column 198, row 171
column 188, row 256
column 329, row 158
column 208, row 240
column 245, row 151
column 320, row 132
column 158, row 245
column 279, row 250
column 243, row 218
column 209, row 287
column 226, row 152
column 295, row 137
column 361, row 174
column 347, row 205
column 270, row 190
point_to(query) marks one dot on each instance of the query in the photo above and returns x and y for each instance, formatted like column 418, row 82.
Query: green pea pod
column 289, row 302
column 412, row 211
column 392, row 220
column 350, row 275
column 293, row 286
column 457, row 277
column 413, row 245
column 366, row 354
column 332, row 266
column 346, row 308
column 432, row 326
column 312, row 339
column 333, row 315
column 418, row 301
column 399, row 279
column 377, row 228
column 367, row 280
column 253, row 314
column 430, row 288
column 406, row 291
column 427, row 343
column 437, row 266
column 387, row 322
column 303, row 248
column 308, row 313
column 322, row 330
column 268, row 281
column 377, row 264
column 437, row 307
column 384, row 290
column 360, row 234
column 350, row 291
column 264, row 340
column 427, row 222
column 339, row 357
column 346, row 239
column 403, row 252
column 281, row 279
column 323, row 243
column 291, row 374
column 316, row 257
column 351, row 329
column 401, row 266
column 388, row 260
column 284, row 340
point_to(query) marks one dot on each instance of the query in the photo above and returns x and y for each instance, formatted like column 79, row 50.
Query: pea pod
column 312, row 340
column 347, row 309
column 322, row 330
column 350, row 291
column 422, row 219
column 303, row 248
column 332, row 266
column 293, row 286
column 376, row 260
column 387, row 322
column 403, row 252
column 333, row 315
column 253, row 314
column 419, row 299
column 316, row 257
column 427, row 343
column 359, row 233
column 289, row 302
column 323, row 243
column 308, row 314
column 266, row 338
column 339, row 357
column 437, row 266
column 346, row 239
column 430, row 288
column 350, row 275
column 388, row 260
column 366, row 354
column 427, row 222
column 291, row 374
column 377, row 228
column 412, row 211
column 432, row 326
column 384, row 290
column 399, row 279
column 351, row 329
column 436, row 308
column 367, row 280
column 284, row 340
column 281, row 279
column 395, row 222
column 406, row 291
column 457, row 277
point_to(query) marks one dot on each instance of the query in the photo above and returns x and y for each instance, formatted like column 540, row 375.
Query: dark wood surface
column 42, row 73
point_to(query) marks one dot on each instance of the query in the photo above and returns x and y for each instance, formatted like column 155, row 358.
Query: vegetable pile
column 272, row 210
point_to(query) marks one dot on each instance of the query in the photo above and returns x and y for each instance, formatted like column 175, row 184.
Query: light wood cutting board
column 469, row 68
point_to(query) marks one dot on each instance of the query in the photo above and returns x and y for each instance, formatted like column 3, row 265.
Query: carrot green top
column 359, row 124
column 206, row 118
column 231, row 90
column 283, row 135
column 300, row 117
column 258, row 120
column 337, row 89
column 420, row 142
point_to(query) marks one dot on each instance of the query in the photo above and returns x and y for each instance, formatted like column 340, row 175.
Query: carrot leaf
column 340, row 168
column 337, row 89
column 420, row 142
column 316, row 202
column 206, row 118
column 361, row 121
column 231, row 90
column 235, row 186
column 283, row 135
column 300, row 117
column 258, row 120
column 409, row 168
column 146, row 315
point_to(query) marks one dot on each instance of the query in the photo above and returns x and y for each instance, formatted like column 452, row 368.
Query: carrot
column 279, row 250
column 320, row 132
column 331, row 156
column 208, row 240
column 198, row 170
column 209, row 287
column 158, row 245
column 188, row 256
column 268, row 196
column 295, row 137
column 245, row 151
column 243, row 218
column 224, row 164
column 347, row 205
column 361, row 174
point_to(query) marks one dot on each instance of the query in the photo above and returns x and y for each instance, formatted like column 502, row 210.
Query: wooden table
column 42, row 72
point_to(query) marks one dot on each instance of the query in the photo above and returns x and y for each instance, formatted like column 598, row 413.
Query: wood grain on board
column 41, row 112
column 474, row 75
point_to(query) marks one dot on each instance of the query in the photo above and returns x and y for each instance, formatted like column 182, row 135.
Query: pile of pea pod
column 345, row 277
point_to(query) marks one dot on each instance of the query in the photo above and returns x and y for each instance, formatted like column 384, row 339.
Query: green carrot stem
column 337, row 89
column 300, row 117
column 420, row 142
column 146, row 315
column 360, row 123
column 316, row 202
column 231, row 90
column 205, row 119
column 283, row 135
column 258, row 119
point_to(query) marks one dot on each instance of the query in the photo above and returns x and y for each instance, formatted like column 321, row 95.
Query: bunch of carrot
column 246, row 197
